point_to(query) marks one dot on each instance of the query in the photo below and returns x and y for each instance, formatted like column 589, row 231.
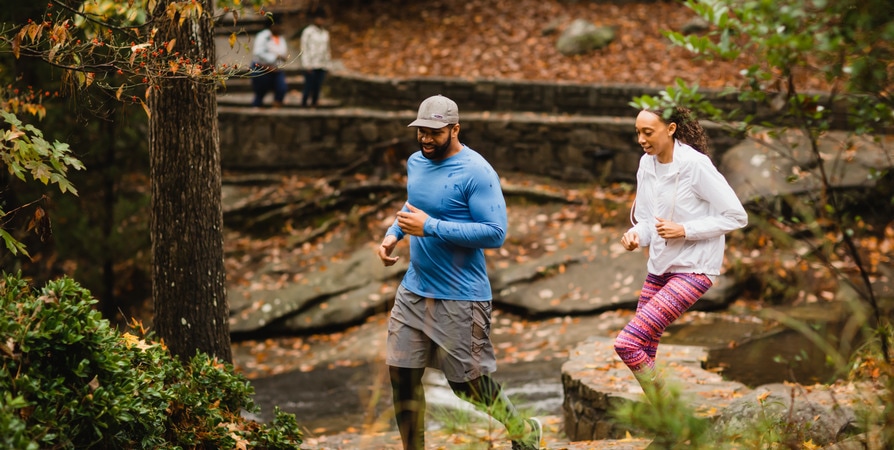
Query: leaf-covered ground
column 516, row 39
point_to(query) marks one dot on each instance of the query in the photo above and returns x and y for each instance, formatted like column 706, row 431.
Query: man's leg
column 488, row 396
column 280, row 88
column 409, row 405
column 319, row 76
column 407, row 352
column 259, row 87
column 308, row 87
column 467, row 351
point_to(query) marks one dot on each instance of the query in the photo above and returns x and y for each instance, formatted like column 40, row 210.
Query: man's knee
column 404, row 375
column 461, row 389
column 482, row 389
column 394, row 374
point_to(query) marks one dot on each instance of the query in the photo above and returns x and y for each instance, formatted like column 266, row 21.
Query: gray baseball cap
column 436, row 112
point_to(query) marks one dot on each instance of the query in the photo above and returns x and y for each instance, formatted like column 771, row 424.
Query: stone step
column 596, row 381
column 564, row 146
column 292, row 100
column 242, row 83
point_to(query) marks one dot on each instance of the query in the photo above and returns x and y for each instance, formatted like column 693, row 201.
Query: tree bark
column 186, row 226
column 108, row 303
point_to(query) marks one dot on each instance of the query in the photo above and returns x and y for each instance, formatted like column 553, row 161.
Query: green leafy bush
column 68, row 380
column 667, row 419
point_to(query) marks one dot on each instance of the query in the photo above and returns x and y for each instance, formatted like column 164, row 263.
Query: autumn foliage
column 70, row 381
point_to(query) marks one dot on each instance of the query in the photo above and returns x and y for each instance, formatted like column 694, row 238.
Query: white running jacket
column 693, row 193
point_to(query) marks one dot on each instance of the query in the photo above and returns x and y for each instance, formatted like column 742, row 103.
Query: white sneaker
column 532, row 441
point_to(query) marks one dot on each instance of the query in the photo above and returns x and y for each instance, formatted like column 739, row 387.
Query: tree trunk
column 108, row 303
column 186, row 226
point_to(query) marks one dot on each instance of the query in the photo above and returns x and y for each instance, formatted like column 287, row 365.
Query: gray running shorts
column 450, row 335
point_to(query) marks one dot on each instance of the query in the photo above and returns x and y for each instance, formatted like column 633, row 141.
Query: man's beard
column 439, row 150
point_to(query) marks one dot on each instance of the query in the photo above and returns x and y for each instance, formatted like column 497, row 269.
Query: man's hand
column 384, row 251
column 668, row 229
column 413, row 221
column 630, row 240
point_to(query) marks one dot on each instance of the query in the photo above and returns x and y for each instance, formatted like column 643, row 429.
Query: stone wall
column 562, row 130
column 574, row 148
column 550, row 97
column 498, row 95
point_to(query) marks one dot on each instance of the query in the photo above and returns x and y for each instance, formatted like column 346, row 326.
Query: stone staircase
column 562, row 130
column 237, row 92
column 558, row 129
column 359, row 113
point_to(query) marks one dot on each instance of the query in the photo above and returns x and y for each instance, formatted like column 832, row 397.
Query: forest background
column 106, row 247
column 101, row 237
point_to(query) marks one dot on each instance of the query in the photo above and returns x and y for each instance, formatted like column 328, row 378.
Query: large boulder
column 812, row 412
column 583, row 36
column 595, row 382
column 587, row 272
column 336, row 294
column 770, row 166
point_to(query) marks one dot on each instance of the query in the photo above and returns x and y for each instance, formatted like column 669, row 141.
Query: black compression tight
column 487, row 395
column 409, row 403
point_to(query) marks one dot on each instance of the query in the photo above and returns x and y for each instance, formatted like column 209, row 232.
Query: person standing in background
column 315, row 57
column 441, row 316
column 268, row 54
column 683, row 209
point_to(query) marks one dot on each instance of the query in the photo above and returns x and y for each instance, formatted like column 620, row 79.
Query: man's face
column 435, row 142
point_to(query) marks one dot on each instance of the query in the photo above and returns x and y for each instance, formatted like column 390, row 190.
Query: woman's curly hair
column 689, row 131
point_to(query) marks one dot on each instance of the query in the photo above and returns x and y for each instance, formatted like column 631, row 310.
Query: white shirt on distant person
column 315, row 52
column 269, row 49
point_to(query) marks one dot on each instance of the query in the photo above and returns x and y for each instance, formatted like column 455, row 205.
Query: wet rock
column 583, row 276
column 588, row 273
column 596, row 381
column 336, row 294
column 775, row 167
column 809, row 413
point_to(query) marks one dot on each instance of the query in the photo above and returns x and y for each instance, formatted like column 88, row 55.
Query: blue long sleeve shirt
column 467, row 213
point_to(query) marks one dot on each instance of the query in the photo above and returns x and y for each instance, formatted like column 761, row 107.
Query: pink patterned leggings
column 663, row 299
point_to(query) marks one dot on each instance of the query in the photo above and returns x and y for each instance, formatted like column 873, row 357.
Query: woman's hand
column 630, row 240
column 669, row 230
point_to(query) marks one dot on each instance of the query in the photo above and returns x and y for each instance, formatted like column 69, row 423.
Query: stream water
column 351, row 399
column 343, row 399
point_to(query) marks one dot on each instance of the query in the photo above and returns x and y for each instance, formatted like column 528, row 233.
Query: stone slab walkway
column 596, row 380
